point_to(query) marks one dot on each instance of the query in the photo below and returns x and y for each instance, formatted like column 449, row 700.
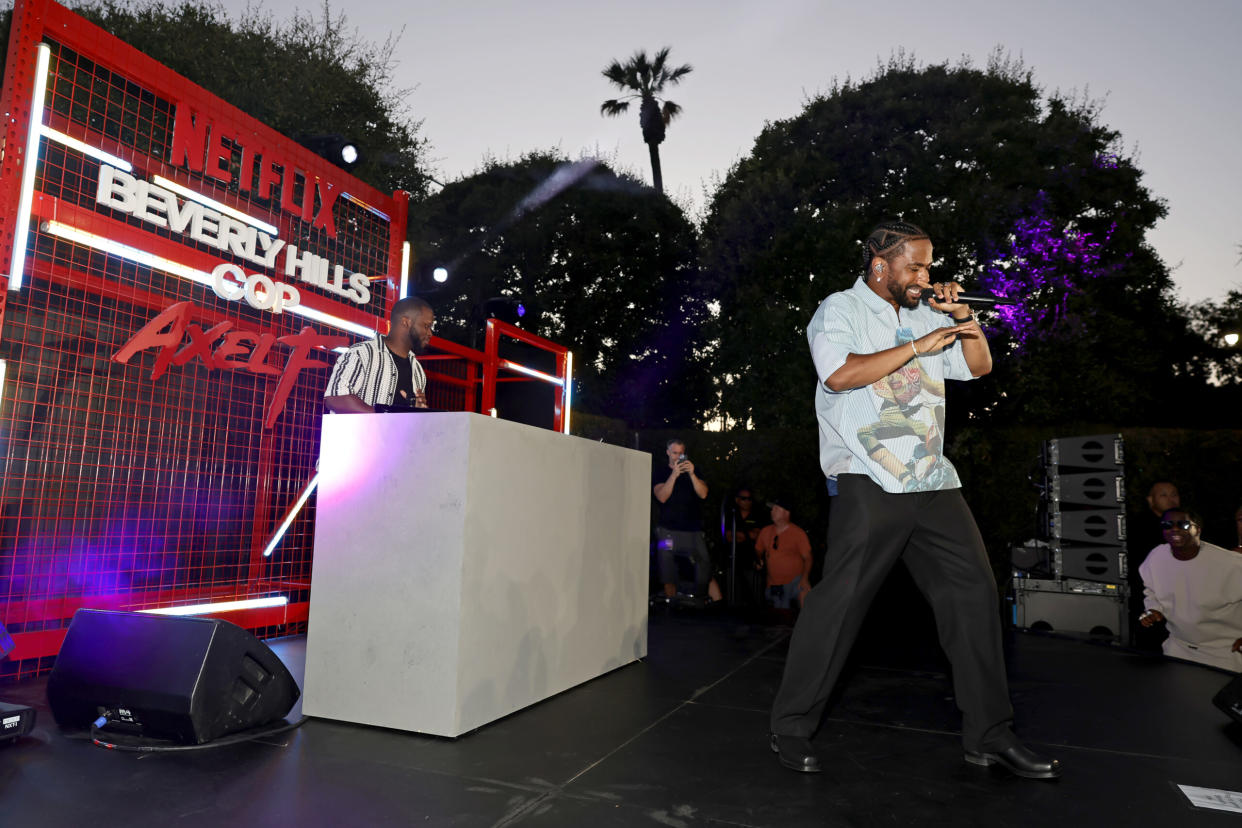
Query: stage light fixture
column 1231, row 338
column 334, row 148
column 440, row 274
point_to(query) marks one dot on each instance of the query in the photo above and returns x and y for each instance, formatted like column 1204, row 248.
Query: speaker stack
column 1073, row 578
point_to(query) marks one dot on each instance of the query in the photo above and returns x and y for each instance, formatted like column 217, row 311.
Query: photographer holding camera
column 679, row 528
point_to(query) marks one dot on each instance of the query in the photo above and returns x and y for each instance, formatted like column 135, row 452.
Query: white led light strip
column 569, row 389
column 21, row 228
column 142, row 257
column 329, row 319
column 223, row 606
column 87, row 149
column 405, row 270
column 161, row 181
column 186, row 192
column 297, row 507
column 531, row 372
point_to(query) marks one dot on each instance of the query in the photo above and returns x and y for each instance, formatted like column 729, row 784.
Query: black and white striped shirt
column 367, row 372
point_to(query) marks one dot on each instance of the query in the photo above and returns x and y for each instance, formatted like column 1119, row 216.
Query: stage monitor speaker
column 1100, row 451
column 188, row 680
column 1088, row 489
column 1229, row 699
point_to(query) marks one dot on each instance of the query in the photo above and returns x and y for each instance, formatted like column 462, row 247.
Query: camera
column 683, row 458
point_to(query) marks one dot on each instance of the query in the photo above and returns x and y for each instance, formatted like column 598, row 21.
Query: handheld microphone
column 975, row 297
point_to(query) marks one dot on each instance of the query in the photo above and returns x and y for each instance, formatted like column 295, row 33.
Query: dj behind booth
column 383, row 373
column 447, row 598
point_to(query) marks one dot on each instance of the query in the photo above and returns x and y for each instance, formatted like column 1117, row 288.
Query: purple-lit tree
column 1043, row 263
column 1022, row 192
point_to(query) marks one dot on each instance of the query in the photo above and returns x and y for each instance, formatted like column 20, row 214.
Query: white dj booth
column 466, row 567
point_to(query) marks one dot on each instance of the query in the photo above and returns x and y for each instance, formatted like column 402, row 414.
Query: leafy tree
column 607, row 268
column 308, row 76
column 644, row 80
column 1019, row 191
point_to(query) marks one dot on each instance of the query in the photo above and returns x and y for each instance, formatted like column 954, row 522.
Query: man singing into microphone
column 882, row 356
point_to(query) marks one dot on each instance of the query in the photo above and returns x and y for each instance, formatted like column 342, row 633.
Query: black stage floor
column 680, row 740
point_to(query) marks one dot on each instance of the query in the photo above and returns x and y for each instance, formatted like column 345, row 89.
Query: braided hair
column 888, row 240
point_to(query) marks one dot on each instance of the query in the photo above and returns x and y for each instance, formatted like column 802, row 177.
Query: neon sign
column 232, row 233
column 170, row 329
column 201, row 146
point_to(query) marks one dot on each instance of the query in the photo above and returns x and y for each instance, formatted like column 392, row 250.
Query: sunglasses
column 776, row 542
column 1184, row 525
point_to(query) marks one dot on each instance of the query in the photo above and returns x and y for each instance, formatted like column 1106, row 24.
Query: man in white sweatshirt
column 1196, row 588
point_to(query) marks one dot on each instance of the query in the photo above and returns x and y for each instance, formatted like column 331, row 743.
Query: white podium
column 466, row 567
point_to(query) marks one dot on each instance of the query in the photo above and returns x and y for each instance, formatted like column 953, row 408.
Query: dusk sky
column 504, row 78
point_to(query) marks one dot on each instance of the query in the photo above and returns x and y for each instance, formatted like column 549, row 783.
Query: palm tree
column 645, row 80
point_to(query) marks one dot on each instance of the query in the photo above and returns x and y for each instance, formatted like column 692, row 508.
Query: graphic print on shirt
column 908, row 438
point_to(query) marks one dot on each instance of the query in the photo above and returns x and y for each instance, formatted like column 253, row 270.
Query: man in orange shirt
column 785, row 551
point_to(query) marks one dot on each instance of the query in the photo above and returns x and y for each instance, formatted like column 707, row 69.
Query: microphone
column 975, row 297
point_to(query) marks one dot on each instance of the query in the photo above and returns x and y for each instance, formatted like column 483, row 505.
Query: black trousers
column 934, row 532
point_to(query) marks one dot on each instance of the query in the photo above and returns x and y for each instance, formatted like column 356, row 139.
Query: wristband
column 912, row 348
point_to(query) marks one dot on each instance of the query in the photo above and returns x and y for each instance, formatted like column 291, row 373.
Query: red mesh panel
column 124, row 490
column 120, row 489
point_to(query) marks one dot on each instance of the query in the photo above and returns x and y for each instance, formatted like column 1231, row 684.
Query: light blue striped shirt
column 893, row 429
